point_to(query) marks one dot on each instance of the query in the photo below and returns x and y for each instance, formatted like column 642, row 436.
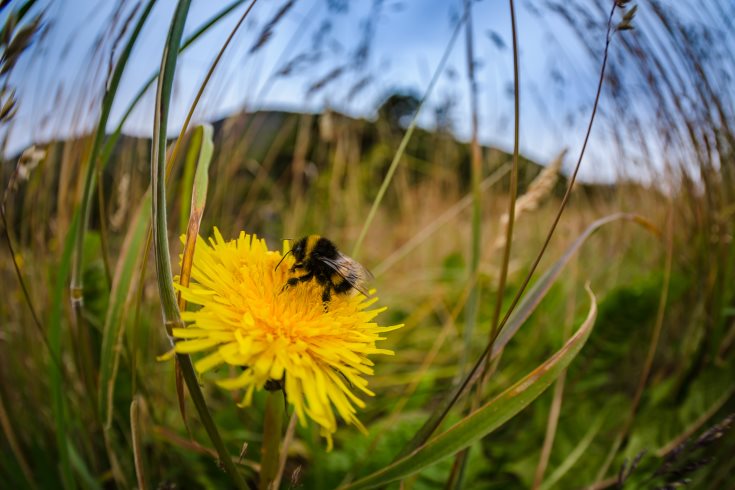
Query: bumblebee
column 320, row 261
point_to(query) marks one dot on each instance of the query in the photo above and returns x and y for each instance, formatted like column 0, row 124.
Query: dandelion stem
column 272, row 429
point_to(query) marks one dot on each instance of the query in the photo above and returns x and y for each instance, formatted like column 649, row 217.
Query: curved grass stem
column 169, row 304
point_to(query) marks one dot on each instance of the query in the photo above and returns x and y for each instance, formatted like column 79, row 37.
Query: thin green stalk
column 272, row 429
column 59, row 398
column 207, row 77
column 456, row 477
column 106, row 155
column 572, row 179
column 169, row 305
column 83, row 341
column 77, row 285
column 404, row 142
column 476, row 176
column 513, row 178
column 112, row 140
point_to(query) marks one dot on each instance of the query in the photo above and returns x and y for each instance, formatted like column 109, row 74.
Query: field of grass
column 595, row 348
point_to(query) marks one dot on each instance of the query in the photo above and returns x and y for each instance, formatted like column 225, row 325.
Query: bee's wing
column 350, row 270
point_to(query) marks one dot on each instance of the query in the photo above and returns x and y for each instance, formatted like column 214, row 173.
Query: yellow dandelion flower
column 247, row 319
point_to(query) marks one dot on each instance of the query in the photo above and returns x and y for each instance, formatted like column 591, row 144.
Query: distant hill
column 261, row 154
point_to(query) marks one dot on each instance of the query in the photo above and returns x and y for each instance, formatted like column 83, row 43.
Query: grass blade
column 513, row 181
column 92, row 163
column 56, row 379
column 88, row 481
column 456, row 477
column 171, row 315
column 573, row 456
column 404, row 142
column 527, row 305
column 187, row 178
column 204, row 135
column 112, row 140
column 136, row 436
column 112, row 334
column 488, row 417
column 20, row 458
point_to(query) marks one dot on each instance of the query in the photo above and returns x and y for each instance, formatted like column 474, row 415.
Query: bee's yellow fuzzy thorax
column 311, row 243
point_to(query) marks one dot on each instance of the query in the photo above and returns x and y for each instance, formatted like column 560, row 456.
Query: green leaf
column 490, row 416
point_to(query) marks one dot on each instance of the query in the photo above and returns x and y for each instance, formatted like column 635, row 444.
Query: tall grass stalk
column 83, row 340
column 404, row 141
column 92, row 166
column 456, row 477
column 474, row 374
column 513, row 179
column 476, row 178
column 188, row 42
column 106, row 155
column 572, row 178
column 171, row 314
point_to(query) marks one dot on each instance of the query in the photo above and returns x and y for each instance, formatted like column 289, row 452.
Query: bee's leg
column 326, row 295
column 295, row 280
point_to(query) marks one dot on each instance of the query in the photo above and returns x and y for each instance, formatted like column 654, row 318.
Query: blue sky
column 60, row 82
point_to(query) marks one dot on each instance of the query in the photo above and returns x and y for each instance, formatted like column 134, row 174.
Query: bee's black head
column 299, row 250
